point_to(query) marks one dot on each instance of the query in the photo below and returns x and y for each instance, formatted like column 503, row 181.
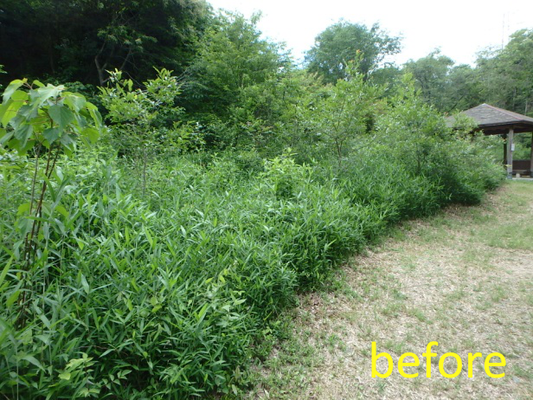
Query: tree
column 506, row 75
column 342, row 42
column 463, row 90
column 232, row 57
column 230, row 84
column 144, row 122
column 444, row 85
column 80, row 40
column 430, row 74
column 345, row 111
column 46, row 121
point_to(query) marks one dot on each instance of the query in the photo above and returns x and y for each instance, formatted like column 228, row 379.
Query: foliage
column 46, row 120
column 342, row 42
column 145, row 122
column 418, row 134
column 507, row 74
column 502, row 78
column 430, row 74
column 231, row 59
column 172, row 294
column 80, row 40
column 345, row 112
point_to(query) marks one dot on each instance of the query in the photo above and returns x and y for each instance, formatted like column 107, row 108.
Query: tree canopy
column 502, row 77
column 343, row 42
column 506, row 75
column 80, row 40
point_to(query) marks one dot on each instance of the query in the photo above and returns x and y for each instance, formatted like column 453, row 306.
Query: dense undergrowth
column 162, row 278
column 165, row 296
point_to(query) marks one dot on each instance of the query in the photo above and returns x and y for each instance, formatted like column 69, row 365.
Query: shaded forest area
column 170, row 181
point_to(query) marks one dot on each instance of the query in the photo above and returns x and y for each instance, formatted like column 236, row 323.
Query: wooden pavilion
column 496, row 121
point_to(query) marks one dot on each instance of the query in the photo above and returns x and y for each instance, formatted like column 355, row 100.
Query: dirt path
column 463, row 279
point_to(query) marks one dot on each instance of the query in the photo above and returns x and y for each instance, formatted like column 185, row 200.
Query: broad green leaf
column 91, row 133
column 61, row 115
column 5, row 136
column 12, row 87
column 52, row 134
column 39, row 96
column 17, row 121
column 20, row 96
column 65, row 376
column 25, row 148
column 44, row 93
column 22, row 134
column 9, row 110
column 67, row 141
column 74, row 101
column 33, row 360
column 23, row 208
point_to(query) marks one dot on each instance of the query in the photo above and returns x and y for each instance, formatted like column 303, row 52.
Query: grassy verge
column 462, row 278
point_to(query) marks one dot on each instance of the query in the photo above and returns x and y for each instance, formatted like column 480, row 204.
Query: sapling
column 42, row 122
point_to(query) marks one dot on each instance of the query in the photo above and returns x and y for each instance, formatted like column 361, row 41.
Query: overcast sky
column 460, row 28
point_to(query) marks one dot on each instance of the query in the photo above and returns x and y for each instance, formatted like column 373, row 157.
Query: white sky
column 460, row 28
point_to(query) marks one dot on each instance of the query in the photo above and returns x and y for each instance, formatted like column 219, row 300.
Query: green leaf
column 11, row 299
column 61, row 115
column 22, row 134
column 74, row 101
column 24, row 208
column 200, row 316
column 12, row 87
column 9, row 110
column 67, row 141
column 5, row 136
column 97, row 118
column 5, row 271
column 39, row 96
column 52, row 134
column 65, row 376
column 62, row 210
column 33, row 360
column 20, row 96
column 91, row 133
column 85, row 284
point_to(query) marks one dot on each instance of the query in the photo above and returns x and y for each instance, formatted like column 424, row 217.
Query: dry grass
column 463, row 279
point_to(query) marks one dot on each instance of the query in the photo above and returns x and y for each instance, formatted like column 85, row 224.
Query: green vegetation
column 502, row 77
column 335, row 47
column 444, row 278
column 157, row 263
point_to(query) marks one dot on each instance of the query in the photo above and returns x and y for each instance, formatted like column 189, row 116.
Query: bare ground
column 463, row 279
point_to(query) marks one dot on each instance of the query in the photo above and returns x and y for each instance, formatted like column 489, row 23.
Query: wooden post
column 510, row 148
column 504, row 150
column 531, row 162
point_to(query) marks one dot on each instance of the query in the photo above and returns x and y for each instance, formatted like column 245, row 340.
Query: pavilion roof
column 493, row 120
